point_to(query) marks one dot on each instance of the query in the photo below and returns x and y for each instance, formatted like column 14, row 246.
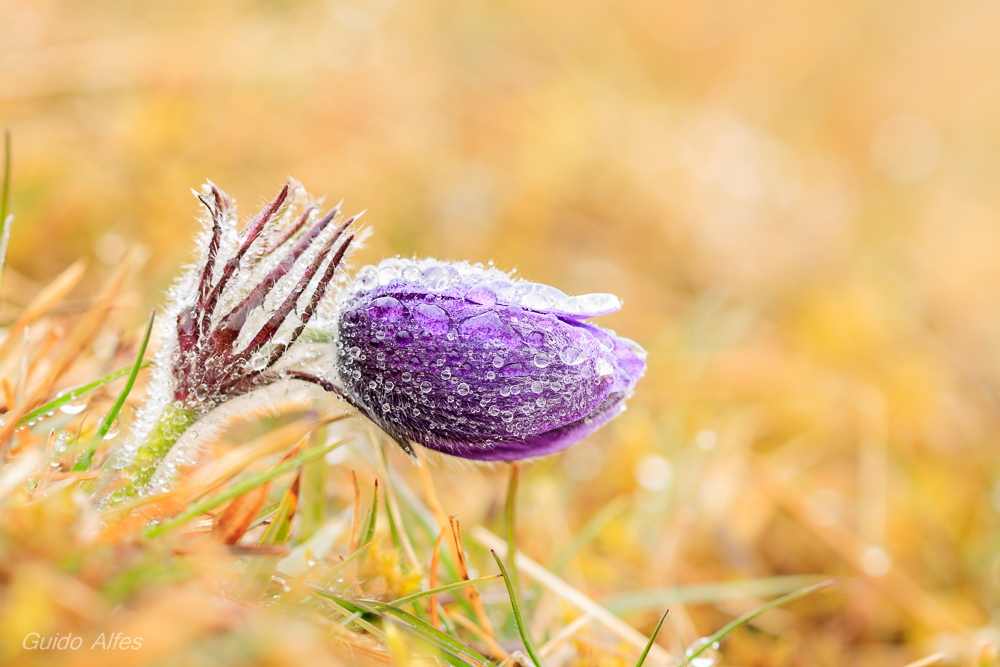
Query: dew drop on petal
column 386, row 308
column 571, row 356
column 482, row 295
column 432, row 318
column 537, row 387
column 605, row 366
column 542, row 360
column 425, row 387
column 463, row 389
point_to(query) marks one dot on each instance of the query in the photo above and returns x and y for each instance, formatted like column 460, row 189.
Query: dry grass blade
column 79, row 339
column 471, row 594
column 257, row 575
column 910, row 597
column 234, row 521
column 929, row 660
column 52, row 294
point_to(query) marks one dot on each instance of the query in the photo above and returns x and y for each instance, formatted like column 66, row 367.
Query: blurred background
column 798, row 202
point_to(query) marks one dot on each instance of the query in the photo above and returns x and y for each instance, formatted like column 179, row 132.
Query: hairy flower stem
column 166, row 432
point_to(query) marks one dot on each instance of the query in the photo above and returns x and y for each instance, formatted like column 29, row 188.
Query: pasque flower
column 233, row 318
column 471, row 362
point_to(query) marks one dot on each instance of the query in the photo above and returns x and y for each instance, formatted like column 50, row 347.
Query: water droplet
column 386, row 309
column 411, row 274
column 493, row 411
column 497, row 362
column 406, row 376
column 446, row 375
column 537, row 387
column 607, row 344
column 605, row 366
column 432, row 318
column 482, row 295
column 571, row 356
column 463, row 389
column 489, row 326
column 112, row 430
column 542, row 360
column 490, row 375
column 118, row 495
column 709, row 653
column 436, row 277
column 73, row 408
column 425, row 387
column 403, row 337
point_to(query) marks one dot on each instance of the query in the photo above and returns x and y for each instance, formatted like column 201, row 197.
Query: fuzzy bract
column 233, row 319
column 471, row 362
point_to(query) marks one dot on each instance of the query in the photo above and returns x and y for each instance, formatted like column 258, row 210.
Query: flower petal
column 477, row 368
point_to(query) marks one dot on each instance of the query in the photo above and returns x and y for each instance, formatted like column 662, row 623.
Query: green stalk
column 171, row 425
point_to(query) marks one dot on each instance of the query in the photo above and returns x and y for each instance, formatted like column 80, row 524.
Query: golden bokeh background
column 798, row 202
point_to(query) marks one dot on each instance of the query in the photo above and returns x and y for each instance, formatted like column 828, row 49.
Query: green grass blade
column 83, row 463
column 719, row 591
column 331, row 575
column 409, row 599
column 510, row 515
column 75, row 393
column 424, row 629
column 239, row 489
column 312, row 504
column 588, row 532
column 529, row 645
column 749, row 616
column 652, row 640
column 253, row 582
column 368, row 532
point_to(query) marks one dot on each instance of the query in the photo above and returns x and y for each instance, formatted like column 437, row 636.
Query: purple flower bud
column 468, row 361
